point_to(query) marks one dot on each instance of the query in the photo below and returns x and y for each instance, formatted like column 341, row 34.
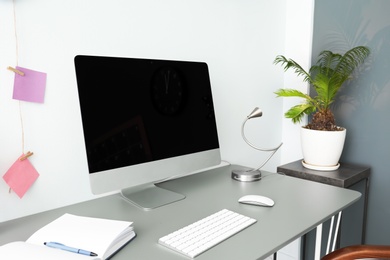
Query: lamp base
column 246, row 176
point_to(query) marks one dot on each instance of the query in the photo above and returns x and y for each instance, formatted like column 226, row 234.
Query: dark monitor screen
column 136, row 111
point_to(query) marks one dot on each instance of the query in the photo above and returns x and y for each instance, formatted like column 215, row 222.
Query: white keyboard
column 200, row 236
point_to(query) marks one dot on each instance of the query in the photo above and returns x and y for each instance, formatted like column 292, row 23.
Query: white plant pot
column 322, row 149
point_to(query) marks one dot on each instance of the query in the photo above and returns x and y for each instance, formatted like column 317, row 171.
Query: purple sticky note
column 21, row 176
column 30, row 87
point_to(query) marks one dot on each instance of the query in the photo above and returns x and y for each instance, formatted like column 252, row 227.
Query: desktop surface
column 300, row 206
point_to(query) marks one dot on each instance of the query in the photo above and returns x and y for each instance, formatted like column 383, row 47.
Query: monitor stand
column 150, row 197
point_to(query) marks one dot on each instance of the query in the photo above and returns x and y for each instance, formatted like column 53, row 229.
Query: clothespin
column 21, row 73
column 24, row 157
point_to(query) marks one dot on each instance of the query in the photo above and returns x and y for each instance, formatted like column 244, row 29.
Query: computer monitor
column 145, row 121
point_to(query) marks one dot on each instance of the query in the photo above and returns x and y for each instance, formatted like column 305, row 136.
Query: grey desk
column 292, row 216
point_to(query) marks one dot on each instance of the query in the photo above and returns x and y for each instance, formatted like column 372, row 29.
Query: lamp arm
column 273, row 150
column 253, row 174
column 255, row 147
column 269, row 157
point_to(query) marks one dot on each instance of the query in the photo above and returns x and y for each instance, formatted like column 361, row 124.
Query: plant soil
column 323, row 120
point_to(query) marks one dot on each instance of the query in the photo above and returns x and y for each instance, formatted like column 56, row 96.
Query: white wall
column 298, row 45
column 238, row 39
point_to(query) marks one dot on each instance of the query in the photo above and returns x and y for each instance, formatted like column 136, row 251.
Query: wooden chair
column 358, row 252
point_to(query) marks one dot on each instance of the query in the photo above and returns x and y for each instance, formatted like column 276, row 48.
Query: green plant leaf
column 291, row 93
column 291, row 64
column 297, row 112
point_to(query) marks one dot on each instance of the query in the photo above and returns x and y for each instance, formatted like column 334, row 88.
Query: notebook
column 101, row 236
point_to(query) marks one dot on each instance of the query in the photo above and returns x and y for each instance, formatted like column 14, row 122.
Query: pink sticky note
column 30, row 87
column 21, row 176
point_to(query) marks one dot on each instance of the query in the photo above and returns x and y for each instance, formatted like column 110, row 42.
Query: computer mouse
column 257, row 200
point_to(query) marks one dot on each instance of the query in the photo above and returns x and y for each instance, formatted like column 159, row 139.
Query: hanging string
column 16, row 34
column 17, row 63
column 22, row 125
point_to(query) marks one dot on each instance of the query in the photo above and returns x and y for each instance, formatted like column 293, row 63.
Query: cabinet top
column 345, row 176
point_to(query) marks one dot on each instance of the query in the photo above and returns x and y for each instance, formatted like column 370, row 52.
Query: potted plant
column 326, row 77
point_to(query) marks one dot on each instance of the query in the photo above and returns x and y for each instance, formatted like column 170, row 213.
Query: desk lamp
column 253, row 174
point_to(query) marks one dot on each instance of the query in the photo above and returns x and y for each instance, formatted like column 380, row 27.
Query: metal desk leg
column 365, row 210
column 335, row 236
column 317, row 251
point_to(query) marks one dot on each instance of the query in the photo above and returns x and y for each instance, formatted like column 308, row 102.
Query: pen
column 68, row 248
